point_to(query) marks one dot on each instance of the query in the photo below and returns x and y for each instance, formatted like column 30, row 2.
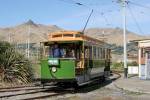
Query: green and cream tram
column 72, row 57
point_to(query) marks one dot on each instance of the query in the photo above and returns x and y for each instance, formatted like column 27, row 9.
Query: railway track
column 118, row 75
column 12, row 89
column 37, row 92
column 31, row 93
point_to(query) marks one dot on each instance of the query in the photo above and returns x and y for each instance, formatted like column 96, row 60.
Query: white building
column 144, row 58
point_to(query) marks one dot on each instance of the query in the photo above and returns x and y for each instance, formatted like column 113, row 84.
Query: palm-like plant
column 14, row 67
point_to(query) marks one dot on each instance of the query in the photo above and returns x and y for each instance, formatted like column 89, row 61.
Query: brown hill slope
column 19, row 34
column 39, row 32
column 113, row 36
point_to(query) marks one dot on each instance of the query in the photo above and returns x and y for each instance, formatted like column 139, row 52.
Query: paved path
column 133, row 84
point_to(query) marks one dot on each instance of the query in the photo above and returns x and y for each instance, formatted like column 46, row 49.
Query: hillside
column 113, row 36
column 39, row 32
column 19, row 34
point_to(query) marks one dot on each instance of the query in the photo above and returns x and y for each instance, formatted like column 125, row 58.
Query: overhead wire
column 132, row 14
column 135, row 20
column 108, row 23
column 140, row 5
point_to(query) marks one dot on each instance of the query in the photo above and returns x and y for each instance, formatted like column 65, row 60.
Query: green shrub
column 117, row 66
column 134, row 63
column 120, row 65
column 14, row 67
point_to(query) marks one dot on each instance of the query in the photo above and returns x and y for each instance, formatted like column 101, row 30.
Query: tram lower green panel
column 98, row 63
column 65, row 70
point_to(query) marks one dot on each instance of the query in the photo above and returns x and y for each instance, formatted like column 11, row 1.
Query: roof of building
column 141, row 40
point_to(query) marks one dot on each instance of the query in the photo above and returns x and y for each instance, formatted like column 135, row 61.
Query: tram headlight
column 54, row 69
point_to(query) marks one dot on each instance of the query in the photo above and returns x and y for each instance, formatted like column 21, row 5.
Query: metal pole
column 87, row 21
column 28, row 54
column 124, row 38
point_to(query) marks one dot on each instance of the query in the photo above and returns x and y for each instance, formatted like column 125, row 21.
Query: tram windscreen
column 62, row 51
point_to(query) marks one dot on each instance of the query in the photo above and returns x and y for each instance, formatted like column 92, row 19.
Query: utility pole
column 124, row 37
column 28, row 53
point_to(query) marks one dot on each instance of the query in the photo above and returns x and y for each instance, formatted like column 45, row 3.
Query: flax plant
column 14, row 67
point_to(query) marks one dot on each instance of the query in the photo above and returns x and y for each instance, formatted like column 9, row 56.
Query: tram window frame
column 106, row 53
column 94, row 52
column 98, row 53
column 109, row 53
column 57, row 35
column 90, row 53
column 46, row 51
column 86, row 53
column 103, row 53
column 67, row 35
column 78, row 53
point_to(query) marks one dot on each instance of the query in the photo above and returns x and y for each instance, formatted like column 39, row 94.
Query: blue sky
column 68, row 15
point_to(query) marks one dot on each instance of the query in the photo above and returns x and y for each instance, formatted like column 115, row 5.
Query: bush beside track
column 14, row 67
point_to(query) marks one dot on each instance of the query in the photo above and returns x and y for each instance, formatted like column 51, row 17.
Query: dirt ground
column 104, row 91
column 104, row 94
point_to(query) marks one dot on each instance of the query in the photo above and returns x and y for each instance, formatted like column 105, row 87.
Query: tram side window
column 109, row 56
column 106, row 52
column 98, row 52
column 50, row 52
column 103, row 53
column 78, row 54
column 90, row 53
column 45, row 51
column 86, row 52
column 62, row 51
column 94, row 52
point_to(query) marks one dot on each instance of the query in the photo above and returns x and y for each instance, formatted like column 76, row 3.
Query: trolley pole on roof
column 87, row 22
column 124, row 37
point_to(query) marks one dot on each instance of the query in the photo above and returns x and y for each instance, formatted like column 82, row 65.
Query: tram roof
column 67, row 36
